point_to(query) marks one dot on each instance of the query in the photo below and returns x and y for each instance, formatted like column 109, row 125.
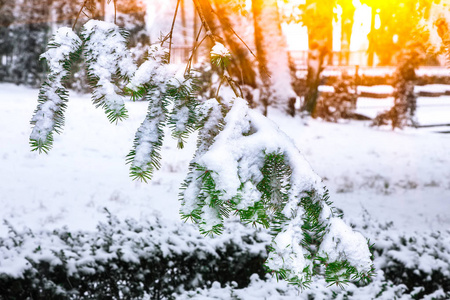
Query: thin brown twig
column 78, row 15
column 218, row 88
column 171, row 29
column 237, row 35
column 231, row 84
column 196, row 45
column 189, row 65
column 86, row 15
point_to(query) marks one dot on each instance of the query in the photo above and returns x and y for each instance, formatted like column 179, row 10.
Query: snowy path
column 401, row 176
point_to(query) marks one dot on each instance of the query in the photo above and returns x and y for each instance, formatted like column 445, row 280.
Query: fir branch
column 63, row 49
column 145, row 156
column 108, row 65
column 156, row 81
column 183, row 117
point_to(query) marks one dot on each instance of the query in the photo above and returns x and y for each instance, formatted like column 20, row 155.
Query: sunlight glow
column 361, row 27
column 377, row 21
column 297, row 36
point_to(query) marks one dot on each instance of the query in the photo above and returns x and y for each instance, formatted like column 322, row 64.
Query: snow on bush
column 126, row 260
column 408, row 267
column 156, row 259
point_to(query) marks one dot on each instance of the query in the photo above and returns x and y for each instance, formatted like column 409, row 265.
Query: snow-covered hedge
column 408, row 267
column 419, row 262
column 155, row 259
column 126, row 260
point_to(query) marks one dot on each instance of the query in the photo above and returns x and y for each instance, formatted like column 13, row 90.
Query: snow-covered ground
column 401, row 176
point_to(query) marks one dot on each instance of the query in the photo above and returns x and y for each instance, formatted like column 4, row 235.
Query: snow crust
column 236, row 156
column 238, row 151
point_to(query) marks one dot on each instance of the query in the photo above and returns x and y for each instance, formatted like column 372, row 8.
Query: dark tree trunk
column 241, row 67
column 320, row 38
column 316, row 57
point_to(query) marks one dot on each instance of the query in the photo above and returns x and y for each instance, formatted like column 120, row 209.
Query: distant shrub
column 405, row 99
column 420, row 261
column 340, row 104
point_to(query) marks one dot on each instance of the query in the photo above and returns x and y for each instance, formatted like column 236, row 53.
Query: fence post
column 356, row 79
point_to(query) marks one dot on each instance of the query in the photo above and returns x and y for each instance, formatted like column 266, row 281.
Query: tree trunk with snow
column 273, row 61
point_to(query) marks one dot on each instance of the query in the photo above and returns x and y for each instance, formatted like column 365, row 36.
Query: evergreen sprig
column 299, row 217
column 109, row 65
column 172, row 103
column 183, row 117
column 145, row 156
column 273, row 188
column 63, row 49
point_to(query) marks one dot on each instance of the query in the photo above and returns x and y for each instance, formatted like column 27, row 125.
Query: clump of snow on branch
column 219, row 50
column 53, row 96
column 342, row 243
column 220, row 55
column 108, row 60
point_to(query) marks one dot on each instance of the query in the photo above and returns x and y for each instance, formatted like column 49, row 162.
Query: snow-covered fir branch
column 171, row 102
column 63, row 49
column 226, row 177
column 236, row 168
column 108, row 62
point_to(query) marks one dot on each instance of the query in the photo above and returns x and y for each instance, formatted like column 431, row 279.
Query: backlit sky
column 297, row 37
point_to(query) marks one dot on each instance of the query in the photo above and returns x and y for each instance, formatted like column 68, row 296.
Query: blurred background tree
column 251, row 30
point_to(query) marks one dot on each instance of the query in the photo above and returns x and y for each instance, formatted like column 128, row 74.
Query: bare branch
column 171, row 29
column 235, row 33
column 210, row 34
column 78, row 15
column 203, row 20
column 196, row 45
